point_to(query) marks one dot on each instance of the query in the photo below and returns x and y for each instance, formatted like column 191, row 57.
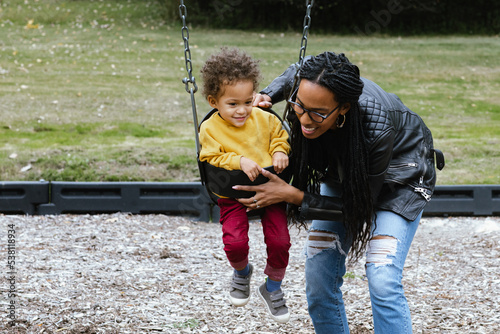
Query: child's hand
column 250, row 167
column 280, row 161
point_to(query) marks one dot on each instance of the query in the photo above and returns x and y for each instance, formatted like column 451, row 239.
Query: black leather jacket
column 402, row 175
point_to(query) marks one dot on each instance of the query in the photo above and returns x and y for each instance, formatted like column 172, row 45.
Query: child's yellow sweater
column 223, row 144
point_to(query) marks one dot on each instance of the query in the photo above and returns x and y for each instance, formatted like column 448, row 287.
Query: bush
column 356, row 16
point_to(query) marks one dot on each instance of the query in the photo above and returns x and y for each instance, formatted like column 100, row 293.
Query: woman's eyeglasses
column 300, row 110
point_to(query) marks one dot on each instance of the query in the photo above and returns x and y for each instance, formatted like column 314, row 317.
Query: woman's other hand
column 262, row 101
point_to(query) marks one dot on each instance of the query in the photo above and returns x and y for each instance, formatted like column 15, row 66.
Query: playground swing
column 218, row 180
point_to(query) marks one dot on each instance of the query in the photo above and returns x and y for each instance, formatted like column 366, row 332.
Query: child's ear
column 212, row 101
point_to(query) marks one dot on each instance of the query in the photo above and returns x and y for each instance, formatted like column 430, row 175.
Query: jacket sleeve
column 320, row 207
column 280, row 88
column 380, row 158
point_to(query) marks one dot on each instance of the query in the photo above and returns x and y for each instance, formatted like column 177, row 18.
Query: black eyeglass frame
column 293, row 103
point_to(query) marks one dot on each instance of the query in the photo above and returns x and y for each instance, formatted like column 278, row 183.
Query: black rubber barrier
column 191, row 199
column 23, row 197
column 183, row 199
column 470, row 200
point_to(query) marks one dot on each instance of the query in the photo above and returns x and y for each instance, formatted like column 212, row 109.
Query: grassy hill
column 92, row 91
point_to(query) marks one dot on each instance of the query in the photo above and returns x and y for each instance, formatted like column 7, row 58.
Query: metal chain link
column 305, row 31
column 187, row 51
column 189, row 68
column 303, row 46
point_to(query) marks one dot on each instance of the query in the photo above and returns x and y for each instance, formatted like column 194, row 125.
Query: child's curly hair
column 226, row 67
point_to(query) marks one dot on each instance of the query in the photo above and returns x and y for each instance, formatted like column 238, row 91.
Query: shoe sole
column 282, row 319
column 238, row 302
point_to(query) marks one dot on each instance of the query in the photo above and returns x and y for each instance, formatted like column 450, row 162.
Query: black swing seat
column 220, row 181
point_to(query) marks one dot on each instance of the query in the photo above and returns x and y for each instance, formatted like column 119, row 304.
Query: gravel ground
column 123, row 273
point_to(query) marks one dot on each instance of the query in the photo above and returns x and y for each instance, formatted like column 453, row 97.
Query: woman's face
column 321, row 100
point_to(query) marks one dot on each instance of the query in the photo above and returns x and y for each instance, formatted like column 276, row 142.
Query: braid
column 357, row 200
column 309, row 161
column 339, row 75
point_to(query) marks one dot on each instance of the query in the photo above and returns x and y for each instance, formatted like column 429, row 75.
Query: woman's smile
column 308, row 130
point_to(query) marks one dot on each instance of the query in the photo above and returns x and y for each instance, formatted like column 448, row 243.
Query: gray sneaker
column 275, row 303
column 239, row 293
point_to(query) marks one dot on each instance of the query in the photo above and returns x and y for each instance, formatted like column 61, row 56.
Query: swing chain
column 305, row 32
column 302, row 54
column 189, row 68
column 187, row 51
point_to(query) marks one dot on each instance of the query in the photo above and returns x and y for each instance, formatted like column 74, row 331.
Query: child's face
column 235, row 103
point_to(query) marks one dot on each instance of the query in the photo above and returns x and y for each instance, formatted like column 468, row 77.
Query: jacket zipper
column 421, row 189
column 423, row 192
column 409, row 164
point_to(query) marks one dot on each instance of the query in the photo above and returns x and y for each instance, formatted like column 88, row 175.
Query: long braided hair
column 343, row 149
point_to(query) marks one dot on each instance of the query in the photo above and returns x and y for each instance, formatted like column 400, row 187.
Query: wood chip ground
column 123, row 273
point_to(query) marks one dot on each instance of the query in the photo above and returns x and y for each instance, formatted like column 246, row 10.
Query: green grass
column 92, row 91
column 190, row 323
column 351, row 275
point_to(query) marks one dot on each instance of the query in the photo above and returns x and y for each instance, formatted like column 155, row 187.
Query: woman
column 363, row 167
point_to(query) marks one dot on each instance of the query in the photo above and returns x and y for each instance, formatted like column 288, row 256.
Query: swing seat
column 219, row 181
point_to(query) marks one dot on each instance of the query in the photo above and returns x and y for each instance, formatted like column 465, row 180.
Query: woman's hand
column 274, row 191
column 262, row 100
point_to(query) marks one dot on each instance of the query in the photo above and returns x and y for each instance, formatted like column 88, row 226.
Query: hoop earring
column 342, row 124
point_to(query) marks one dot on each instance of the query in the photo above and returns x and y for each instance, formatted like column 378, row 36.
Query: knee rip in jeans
column 319, row 241
column 381, row 250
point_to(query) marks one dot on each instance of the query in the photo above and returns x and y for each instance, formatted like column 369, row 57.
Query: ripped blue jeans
column 326, row 251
